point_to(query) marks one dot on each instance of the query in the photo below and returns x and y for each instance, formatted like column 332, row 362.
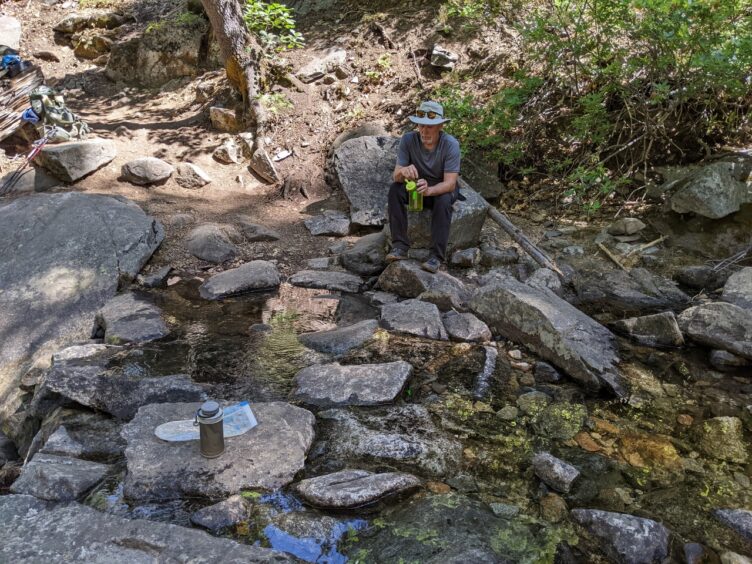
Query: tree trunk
column 241, row 53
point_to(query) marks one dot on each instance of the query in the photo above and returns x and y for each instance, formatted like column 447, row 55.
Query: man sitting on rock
column 431, row 158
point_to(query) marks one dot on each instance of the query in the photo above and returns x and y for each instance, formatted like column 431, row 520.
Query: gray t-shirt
column 431, row 165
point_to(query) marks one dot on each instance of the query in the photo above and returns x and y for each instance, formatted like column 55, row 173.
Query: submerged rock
column 414, row 317
column 404, row 437
column 556, row 473
column 72, row 530
column 738, row 288
column 254, row 276
column 334, row 385
column 328, row 280
column 128, row 319
column 350, row 489
column 660, row 329
column 719, row 325
column 552, row 328
column 738, row 519
column 222, row 515
column 340, row 340
column 723, row 438
column 625, row 538
column 249, row 461
column 58, row 478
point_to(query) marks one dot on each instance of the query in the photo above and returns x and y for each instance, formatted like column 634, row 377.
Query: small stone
column 437, row 487
column 414, row 317
column 723, row 438
column 189, row 175
column 438, row 388
column 532, row 403
column 553, row 508
column 466, row 258
column 327, row 280
column 734, row 558
column 522, row 366
column 222, row 515
column 738, row 288
column 684, row 419
column 504, row 510
column 128, row 319
column 72, row 161
column 228, row 152
column 443, row 58
column 465, row 327
column 350, row 489
column 507, row 413
column 573, row 251
column 254, row 232
column 212, row 243
column 586, row 442
column 319, row 263
column 264, row 167
column 560, row 420
column 46, row 56
column 724, row 361
column 254, row 276
column 490, row 255
column 545, row 373
column 146, row 170
column 626, row 226
column 223, row 119
column 339, row 341
column 556, row 473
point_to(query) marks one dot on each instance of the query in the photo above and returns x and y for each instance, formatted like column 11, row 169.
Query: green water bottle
column 414, row 198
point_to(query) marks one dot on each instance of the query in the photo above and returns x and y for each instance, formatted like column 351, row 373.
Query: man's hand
column 423, row 187
column 408, row 172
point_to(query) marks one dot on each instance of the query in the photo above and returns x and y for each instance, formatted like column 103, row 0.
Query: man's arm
column 446, row 185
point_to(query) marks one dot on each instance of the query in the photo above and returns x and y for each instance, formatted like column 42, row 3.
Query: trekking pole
column 36, row 147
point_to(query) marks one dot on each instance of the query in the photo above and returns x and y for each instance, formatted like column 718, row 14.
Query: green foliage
column 275, row 102
column 182, row 20
column 470, row 14
column 273, row 24
column 612, row 87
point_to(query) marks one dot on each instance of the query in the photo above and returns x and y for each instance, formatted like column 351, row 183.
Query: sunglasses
column 429, row 115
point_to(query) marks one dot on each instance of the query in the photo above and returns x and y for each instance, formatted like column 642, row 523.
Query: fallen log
column 521, row 239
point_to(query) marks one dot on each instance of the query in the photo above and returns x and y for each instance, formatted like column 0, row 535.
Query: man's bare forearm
column 441, row 188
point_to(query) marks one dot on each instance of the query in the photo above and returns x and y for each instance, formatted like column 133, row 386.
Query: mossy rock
column 723, row 438
column 560, row 420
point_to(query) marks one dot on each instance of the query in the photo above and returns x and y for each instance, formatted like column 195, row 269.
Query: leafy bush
column 611, row 87
column 273, row 23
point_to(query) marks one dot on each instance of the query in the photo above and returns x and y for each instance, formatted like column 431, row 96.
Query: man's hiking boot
column 431, row 265
column 396, row 254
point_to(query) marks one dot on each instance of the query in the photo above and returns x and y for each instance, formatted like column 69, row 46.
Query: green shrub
column 611, row 87
column 273, row 24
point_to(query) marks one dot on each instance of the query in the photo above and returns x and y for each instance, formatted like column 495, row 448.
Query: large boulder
column 334, row 385
column 350, row 489
column 254, row 276
column 367, row 256
column 551, row 327
column 267, row 457
column 72, row 532
column 62, row 257
column 364, row 168
column 632, row 292
column 165, row 51
column 407, row 279
column 10, row 31
column 738, row 288
column 719, row 325
column 714, row 191
column 626, row 539
column 212, row 242
column 72, row 161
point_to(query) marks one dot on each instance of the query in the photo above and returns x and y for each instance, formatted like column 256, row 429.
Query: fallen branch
column 521, row 239
column 610, row 255
column 648, row 245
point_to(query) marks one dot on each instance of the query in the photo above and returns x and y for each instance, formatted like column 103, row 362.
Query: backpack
column 49, row 106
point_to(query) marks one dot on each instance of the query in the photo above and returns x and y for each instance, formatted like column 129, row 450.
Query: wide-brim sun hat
column 429, row 113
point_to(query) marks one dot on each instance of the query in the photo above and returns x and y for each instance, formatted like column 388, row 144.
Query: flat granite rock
column 76, row 533
column 254, row 276
column 414, row 317
column 334, row 385
column 350, row 489
column 465, row 327
column 265, row 458
column 72, row 161
column 554, row 472
column 58, row 478
column 719, row 325
column 340, row 340
column 129, row 319
column 328, row 280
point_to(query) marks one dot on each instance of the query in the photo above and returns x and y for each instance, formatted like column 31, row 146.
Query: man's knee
column 443, row 202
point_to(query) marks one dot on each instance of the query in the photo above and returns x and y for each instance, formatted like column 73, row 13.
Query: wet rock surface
column 625, row 538
column 247, row 463
column 719, row 325
column 327, row 280
column 254, row 276
column 403, row 437
column 334, row 385
column 351, row 489
column 552, row 328
column 58, row 478
column 339, row 341
column 72, row 530
column 414, row 317
column 128, row 319
column 222, row 515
